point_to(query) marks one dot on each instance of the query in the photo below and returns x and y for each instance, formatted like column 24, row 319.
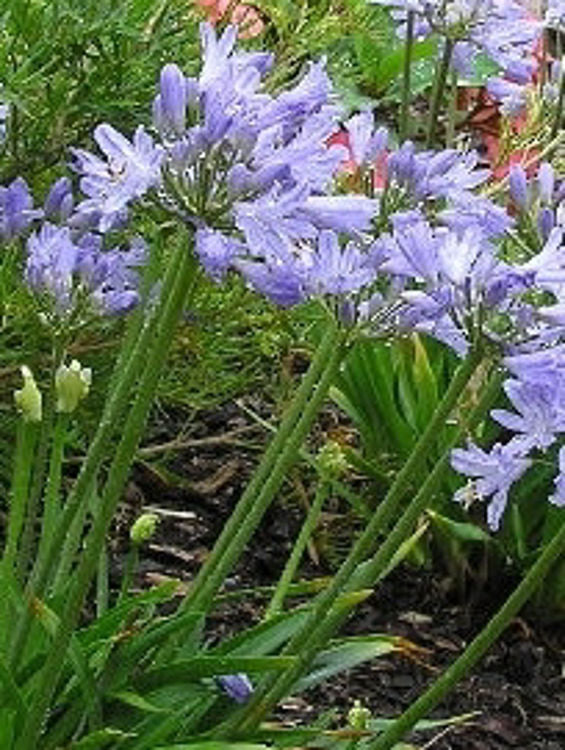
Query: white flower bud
column 72, row 385
column 28, row 399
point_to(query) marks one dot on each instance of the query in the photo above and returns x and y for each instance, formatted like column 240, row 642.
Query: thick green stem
column 28, row 542
column 208, row 579
column 62, row 575
column 24, row 460
column 408, row 47
column 452, row 112
column 52, row 508
column 131, row 563
column 98, row 450
column 273, row 688
column 102, row 583
column 376, row 567
column 133, row 428
column 476, row 649
column 439, row 88
column 276, row 603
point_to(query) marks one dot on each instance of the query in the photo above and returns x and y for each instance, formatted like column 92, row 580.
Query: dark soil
column 518, row 690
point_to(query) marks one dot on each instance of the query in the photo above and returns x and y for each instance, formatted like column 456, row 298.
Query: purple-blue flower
column 129, row 171
column 430, row 175
column 16, row 209
column 169, row 107
column 51, row 263
column 337, row 270
column 492, row 475
column 518, row 184
column 540, row 413
column 216, row 252
column 237, row 686
column 70, row 274
column 59, row 203
column 513, row 97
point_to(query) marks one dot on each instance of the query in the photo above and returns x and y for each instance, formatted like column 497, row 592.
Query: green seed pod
column 358, row 716
column 28, row 399
column 144, row 528
column 331, row 459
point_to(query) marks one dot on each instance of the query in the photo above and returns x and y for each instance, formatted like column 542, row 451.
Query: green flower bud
column 72, row 385
column 331, row 459
column 144, row 528
column 28, row 399
column 358, row 716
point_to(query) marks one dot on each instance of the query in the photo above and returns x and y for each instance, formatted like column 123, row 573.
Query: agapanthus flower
column 73, row 274
column 492, row 475
column 237, row 686
column 512, row 97
column 469, row 209
column 291, row 271
column 435, row 174
column 59, row 203
column 16, row 209
column 540, row 413
column 542, row 365
column 129, row 171
column 334, row 270
column 518, row 184
column 364, row 143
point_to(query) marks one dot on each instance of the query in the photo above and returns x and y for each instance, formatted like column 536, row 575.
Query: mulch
column 517, row 692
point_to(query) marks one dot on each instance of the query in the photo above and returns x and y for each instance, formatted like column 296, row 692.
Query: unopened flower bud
column 358, row 717
column 72, row 384
column 237, row 686
column 518, row 184
column 331, row 459
column 144, row 528
column 28, row 399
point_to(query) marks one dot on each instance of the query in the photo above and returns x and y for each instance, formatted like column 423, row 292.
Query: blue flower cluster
column 67, row 265
column 252, row 175
column 500, row 29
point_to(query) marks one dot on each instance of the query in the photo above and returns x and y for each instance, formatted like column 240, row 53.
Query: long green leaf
column 264, row 638
column 346, row 654
column 89, row 688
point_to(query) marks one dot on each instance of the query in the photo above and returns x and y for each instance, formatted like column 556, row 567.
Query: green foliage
column 390, row 390
column 68, row 65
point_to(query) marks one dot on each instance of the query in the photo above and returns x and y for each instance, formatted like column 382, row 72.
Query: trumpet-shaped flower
column 493, row 474
column 129, row 171
column 16, row 209
column 68, row 272
column 541, row 413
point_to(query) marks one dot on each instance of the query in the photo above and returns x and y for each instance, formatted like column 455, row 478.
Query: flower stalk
column 406, row 75
column 113, row 410
column 273, row 689
column 270, row 473
column 172, row 307
column 438, row 89
column 26, row 440
column 52, row 509
column 276, row 604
